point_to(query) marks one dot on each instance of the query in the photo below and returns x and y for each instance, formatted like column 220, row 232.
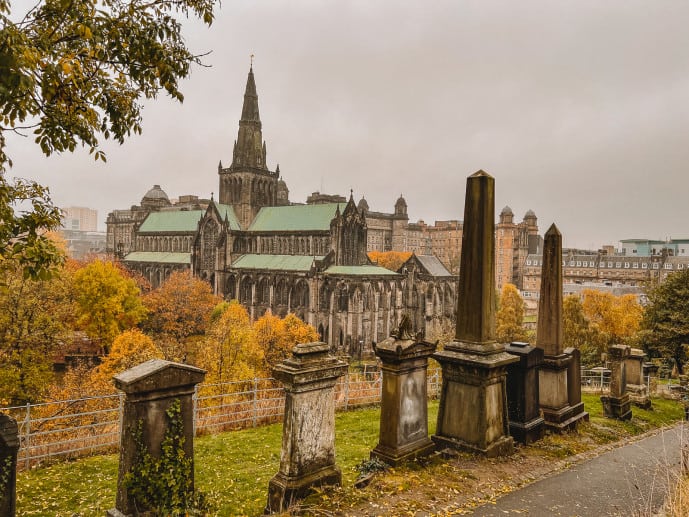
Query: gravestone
column 150, row 389
column 404, row 403
column 473, row 403
column 9, row 447
column 307, row 459
column 560, row 393
column 526, row 423
column 636, row 384
column 617, row 403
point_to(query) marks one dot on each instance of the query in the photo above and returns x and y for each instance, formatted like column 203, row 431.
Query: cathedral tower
column 248, row 184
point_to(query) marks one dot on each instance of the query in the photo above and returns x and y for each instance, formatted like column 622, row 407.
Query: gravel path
column 627, row 481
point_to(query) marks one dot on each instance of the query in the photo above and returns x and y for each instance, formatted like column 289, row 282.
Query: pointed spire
column 549, row 333
column 220, row 165
column 277, row 169
column 250, row 108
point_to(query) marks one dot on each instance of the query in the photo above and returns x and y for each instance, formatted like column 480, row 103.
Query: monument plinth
column 307, row 459
column 617, row 404
column 523, row 407
column 636, row 383
column 404, row 403
column 473, row 402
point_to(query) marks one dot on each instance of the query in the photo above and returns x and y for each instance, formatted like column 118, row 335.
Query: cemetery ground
column 233, row 469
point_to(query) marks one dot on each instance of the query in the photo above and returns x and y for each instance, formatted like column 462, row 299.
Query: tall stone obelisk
column 473, row 402
column 556, row 369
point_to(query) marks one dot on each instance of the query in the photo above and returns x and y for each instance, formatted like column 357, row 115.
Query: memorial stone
column 404, row 402
column 617, row 403
column 150, row 389
column 473, row 403
column 555, row 390
column 9, row 447
column 526, row 423
column 307, row 459
column 636, row 383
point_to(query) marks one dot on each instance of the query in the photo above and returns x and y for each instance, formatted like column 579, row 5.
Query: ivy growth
column 5, row 475
column 164, row 485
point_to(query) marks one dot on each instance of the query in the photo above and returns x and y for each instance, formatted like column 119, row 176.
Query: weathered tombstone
column 308, row 430
column 636, row 384
column 555, row 390
column 473, row 401
column 9, row 447
column 404, row 402
column 151, row 388
column 526, row 423
column 574, row 383
column 617, row 403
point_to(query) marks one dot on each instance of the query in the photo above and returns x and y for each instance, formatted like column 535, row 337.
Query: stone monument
column 150, row 390
column 404, row 402
column 636, row 384
column 523, row 408
column 308, row 431
column 557, row 368
column 9, row 447
column 617, row 403
column 473, row 402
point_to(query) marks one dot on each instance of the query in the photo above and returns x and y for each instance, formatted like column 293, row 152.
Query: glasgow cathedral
column 254, row 245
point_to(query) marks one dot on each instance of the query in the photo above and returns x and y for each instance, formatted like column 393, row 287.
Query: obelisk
column 473, row 402
column 555, row 374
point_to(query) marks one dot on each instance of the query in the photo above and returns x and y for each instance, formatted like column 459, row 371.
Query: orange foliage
column 277, row 337
column 392, row 260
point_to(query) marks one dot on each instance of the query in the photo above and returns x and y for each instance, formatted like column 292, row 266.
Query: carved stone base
column 395, row 457
column 638, row 394
column 564, row 419
column 527, row 432
column 284, row 490
column 617, row 407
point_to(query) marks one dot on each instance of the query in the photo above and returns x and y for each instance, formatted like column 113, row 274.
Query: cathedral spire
column 249, row 151
column 250, row 108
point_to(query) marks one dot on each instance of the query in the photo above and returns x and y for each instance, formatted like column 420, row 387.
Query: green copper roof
column 295, row 218
column 171, row 221
column 279, row 262
column 228, row 211
column 158, row 256
column 359, row 271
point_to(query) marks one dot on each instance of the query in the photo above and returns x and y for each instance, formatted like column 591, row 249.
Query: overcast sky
column 579, row 109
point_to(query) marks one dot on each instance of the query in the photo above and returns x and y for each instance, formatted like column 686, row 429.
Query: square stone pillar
column 9, row 447
column 617, row 404
column 150, row 388
column 556, row 387
column 308, row 430
column 574, row 384
column 473, row 402
column 523, row 407
column 636, row 384
column 404, row 402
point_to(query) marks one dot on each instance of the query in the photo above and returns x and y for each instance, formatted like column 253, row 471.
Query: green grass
column 234, row 468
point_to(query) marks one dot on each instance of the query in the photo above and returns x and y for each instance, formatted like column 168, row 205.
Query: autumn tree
column 509, row 319
column 35, row 318
column 391, row 260
column 665, row 322
column 177, row 310
column 277, row 337
column 578, row 333
column 106, row 301
column 617, row 318
column 230, row 351
column 72, row 73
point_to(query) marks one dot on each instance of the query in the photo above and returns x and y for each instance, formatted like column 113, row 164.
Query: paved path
column 631, row 480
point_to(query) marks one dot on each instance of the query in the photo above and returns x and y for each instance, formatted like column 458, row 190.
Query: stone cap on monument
column 637, row 353
column 158, row 375
column 618, row 352
column 9, row 432
column 529, row 356
column 403, row 344
column 310, row 362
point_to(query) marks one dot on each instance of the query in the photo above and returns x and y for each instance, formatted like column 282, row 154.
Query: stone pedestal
column 523, row 408
column 151, row 388
column 636, row 384
column 9, row 447
column 574, row 385
column 473, row 401
column 404, row 403
column 557, row 374
column 617, row 404
column 308, row 430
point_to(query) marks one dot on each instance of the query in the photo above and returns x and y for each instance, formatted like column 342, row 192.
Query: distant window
column 680, row 266
column 618, row 264
column 528, row 262
column 668, row 265
column 602, row 264
column 644, row 266
column 633, row 251
column 656, row 265
column 635, row 265
column 585, row 263
column 626, row 265
column 578, row 263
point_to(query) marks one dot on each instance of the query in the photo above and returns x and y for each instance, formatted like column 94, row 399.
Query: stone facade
column 254, row 245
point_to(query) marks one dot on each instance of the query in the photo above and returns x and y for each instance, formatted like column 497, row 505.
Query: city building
column 79, row 218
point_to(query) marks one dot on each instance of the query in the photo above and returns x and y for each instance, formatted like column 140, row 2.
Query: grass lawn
column 234, row 468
